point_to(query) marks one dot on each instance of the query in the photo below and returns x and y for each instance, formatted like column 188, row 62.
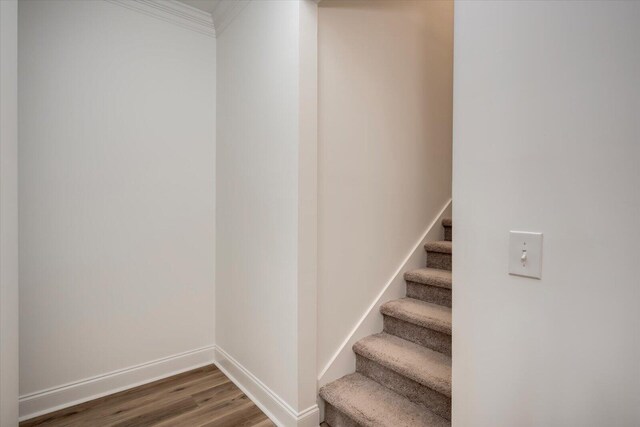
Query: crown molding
column 173, row 11
column 225, row 12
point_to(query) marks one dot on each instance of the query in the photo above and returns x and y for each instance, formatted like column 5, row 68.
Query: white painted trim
column 279, row 411
column 343, row 360
column 307, row 294
column 173, row 11
column 55, row 398
column 225, row 12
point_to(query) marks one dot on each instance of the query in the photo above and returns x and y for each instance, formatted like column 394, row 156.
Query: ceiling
column 206, row 5
column 222, row 12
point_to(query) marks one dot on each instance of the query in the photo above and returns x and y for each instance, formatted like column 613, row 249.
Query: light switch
column 525, row 254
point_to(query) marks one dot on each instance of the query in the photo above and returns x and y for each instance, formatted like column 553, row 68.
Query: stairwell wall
column 117, row 158
column 546, row 131
column 266, row 206
column 384, row 149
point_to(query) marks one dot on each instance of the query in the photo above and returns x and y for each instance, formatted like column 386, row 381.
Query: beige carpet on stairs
column 403, row 375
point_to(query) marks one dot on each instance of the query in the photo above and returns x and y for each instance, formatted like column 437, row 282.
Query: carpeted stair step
column 430, row 285
column 439, row 254
column 416, row 372
column 448, row 227
column 355, row 400
column 403, row 375
column 420, row 322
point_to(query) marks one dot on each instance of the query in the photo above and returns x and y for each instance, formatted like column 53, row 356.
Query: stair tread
column 430, row 276
column 423, row 365
column 447, row 222
column 371, row 404
column 421, row 313
column 441, row 246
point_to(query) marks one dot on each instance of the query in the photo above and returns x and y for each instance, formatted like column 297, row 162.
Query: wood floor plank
column 111, row 401
column 266, row 422
column 233, row 402
column 217, row 394
column 244, row 418
column 111, row 410
column 158, row 413
column 202, row 397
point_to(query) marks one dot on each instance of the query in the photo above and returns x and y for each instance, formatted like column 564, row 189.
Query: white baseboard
column 343, row 361
column 53, row 399
column 279, row 411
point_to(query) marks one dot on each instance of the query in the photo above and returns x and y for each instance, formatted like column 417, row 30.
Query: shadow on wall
column 384, row 149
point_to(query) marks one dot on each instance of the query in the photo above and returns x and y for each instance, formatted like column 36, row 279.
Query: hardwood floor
column 198, row 398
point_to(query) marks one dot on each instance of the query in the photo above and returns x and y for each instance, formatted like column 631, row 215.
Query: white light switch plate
column 527, row 244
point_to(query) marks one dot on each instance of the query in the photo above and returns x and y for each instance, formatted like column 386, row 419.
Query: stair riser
column 439, row 260
column 432, row 294
column 335, row 418
column 417, row 393
column 425, row 337
column 447, row 233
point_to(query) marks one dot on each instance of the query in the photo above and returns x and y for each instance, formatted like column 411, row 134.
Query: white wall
column 546, row 130
column 384, row 148
column 117, row 157
column 266, row 139
column 8, row 213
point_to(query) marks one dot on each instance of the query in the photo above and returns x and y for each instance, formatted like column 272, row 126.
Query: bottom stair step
column 356, row 400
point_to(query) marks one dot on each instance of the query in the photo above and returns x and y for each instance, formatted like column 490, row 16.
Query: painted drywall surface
column 344, row 361
column 256, row 215
column 8, row 213
column 116, row 190
column 384, row 148
column 546, row 130
column 265, row 243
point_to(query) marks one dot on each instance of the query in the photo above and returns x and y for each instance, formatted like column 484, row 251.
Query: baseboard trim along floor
column 56, row 398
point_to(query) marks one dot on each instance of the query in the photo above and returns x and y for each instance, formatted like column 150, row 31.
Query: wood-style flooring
column 198, row 398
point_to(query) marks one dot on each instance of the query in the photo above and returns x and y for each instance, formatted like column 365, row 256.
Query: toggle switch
column 525, row 254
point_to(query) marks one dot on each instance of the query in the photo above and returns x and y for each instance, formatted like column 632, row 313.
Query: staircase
column 403, row 375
